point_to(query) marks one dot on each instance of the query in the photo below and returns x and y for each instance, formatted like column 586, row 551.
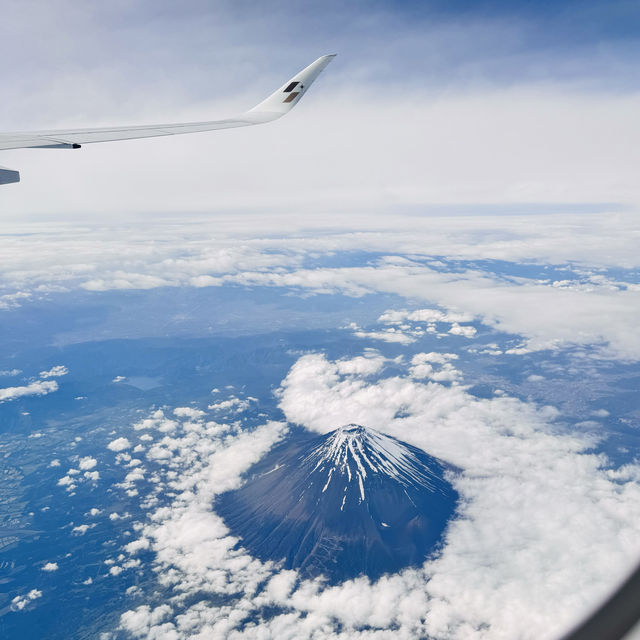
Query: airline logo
column 290, row 90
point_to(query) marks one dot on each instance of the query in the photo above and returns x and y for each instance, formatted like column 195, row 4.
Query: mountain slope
column 350, row 502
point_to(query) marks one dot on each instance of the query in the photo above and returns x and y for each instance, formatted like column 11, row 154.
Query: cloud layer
column 591, row 295
column 544, row 528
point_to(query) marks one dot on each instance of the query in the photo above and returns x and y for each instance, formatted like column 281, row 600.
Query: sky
column 446, row 139
column 427, row 103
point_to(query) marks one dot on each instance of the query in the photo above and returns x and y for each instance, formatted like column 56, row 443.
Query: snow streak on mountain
column 350, row 502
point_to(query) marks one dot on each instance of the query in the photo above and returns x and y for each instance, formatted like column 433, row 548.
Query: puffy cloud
column 67, row 482
column 50, row 566
column 116, row 516
column 536, row 504
column 81, row 529
column 87, row 463
column 422, row 366
column 20, row 602
column 55, row 372
column 39, row 388
column 119, row 444
column 361, row 365
column 188, row 412
column 514, row 463
column 459, row 330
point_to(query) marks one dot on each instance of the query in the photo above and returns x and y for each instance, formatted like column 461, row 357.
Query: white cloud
column 233, row 403
column 435, row 357
column 514, row 465
column 20, row 602
column 596, row 309
column 116, row 516
column 50, row 566
column 188, row 412
column 55, row 372
column 119, row 444
column 460, row 330
column 430, row 316
column 388, row 335
column 119, row 379
column 560, row 509
column 546, row 316
column 81, row 529
column 422, row 366
column 361, row 365
column 68, row 482
column 40, row 388
column 87, row 463
column 135, row 475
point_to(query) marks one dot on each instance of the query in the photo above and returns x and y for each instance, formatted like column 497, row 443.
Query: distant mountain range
column 353, row 501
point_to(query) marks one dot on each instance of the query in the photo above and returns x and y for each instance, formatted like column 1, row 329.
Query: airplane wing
column 275, row 106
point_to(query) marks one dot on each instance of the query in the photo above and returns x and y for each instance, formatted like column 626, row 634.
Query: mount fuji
column 351, row 502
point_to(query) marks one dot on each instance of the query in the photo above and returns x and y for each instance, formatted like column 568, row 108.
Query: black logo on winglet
column 290, row 90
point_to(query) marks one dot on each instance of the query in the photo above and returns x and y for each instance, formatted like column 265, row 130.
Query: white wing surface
column 275, row 106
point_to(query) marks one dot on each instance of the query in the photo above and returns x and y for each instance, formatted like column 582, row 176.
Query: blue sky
column 436, row 43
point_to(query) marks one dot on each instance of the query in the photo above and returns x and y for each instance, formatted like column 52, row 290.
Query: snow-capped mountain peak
column 341, row 504
column 353, row 453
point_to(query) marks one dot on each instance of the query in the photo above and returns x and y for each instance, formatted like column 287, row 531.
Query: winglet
column 289, row 94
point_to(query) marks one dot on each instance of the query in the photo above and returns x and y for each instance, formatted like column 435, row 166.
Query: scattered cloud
column 55, row 372
column 434, row 366
column 560, row 507
column 87, row 463
column 10, row 372
column 39, row 388
column 50, row 566
column 20, row 602
column 81, row 529
column 119, row 444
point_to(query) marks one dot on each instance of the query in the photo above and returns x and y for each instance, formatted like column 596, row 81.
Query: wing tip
column 276, row 105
